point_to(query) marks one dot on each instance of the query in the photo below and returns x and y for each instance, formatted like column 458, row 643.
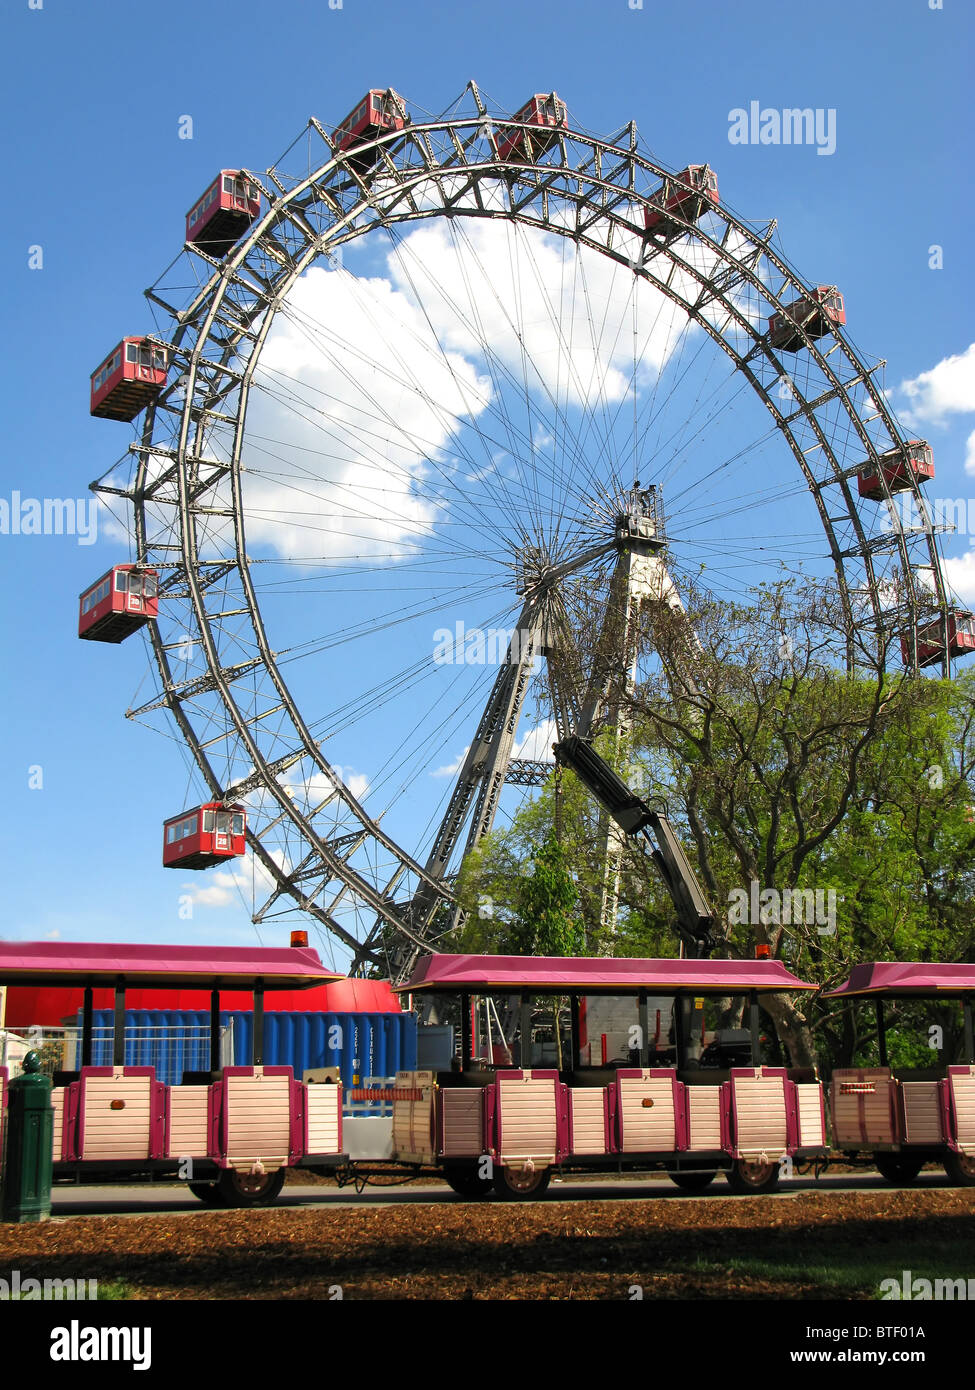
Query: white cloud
column 550, row 312
column 947, row 389
column 452, row 769
column 960, row 573
column 236, row 880
column 219, row 890
column 536, row 744
column 970, row 453
column 357, row 400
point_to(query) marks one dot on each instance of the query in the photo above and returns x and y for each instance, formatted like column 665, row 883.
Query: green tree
column 547, row 920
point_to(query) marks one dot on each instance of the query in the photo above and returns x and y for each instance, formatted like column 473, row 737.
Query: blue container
column 359, row 1044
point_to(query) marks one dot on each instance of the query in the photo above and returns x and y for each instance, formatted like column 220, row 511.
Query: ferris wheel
column 414, row 394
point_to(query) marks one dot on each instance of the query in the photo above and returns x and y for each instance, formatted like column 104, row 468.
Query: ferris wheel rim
column 403, row 183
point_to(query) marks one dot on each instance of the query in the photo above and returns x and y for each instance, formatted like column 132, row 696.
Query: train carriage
column 904, row 1117
column 231, row 1131
column 683, row 1099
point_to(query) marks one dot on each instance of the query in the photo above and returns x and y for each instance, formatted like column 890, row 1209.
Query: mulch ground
column 497, row 1250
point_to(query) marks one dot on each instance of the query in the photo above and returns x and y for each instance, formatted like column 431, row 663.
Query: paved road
column 161, row 1199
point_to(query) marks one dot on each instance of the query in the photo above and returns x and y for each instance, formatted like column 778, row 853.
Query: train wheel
column 239, row 1189
column 898, row 1168
column 961, row 1169
column 516, row 1185
column 208, row 1193
column 753, row 1176
column 693, row 1179
column 467, row 1182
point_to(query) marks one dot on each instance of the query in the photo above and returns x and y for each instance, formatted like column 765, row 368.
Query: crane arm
column 696, row 920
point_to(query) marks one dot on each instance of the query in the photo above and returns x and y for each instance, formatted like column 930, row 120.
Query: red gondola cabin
column 377, row 113
column 223, row 214
column 913, row 460
column 120, row 603
column 203, row 837
column 687, row 196
column 930, row 638
column 129, row 378
column 547, row 115
column 817, row 314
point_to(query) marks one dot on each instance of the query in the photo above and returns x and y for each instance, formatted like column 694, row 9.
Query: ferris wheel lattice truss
column 319, row 849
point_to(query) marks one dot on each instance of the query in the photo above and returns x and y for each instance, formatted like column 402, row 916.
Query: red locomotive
column 812, row 316
column 228, row 207
column 131, row 376
column 205, row 836
column 122, row 601
column 686, row 196
column 913, row 460
column 546, row 115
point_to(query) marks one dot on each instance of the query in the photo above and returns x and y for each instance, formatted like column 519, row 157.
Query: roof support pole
column 644, row 1029
column 576, row 1029
column 214, row 1030
column 87, row 1026
column 118, row 1046
column 465, row 1032
column 525, row 1057
column 680, row 1021
column 881, row 1033
column 755, row 1028
column 969, row 1031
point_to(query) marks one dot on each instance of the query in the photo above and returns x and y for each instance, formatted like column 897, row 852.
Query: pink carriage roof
column 597, row 974
column 897, row 977
column 102, row 963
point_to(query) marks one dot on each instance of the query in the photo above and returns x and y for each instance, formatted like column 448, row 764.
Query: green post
column 26, row 1194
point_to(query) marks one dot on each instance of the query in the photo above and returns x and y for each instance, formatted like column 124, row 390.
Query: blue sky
column 98, row 177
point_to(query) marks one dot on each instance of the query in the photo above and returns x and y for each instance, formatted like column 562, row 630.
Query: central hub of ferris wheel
column 641, row 523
